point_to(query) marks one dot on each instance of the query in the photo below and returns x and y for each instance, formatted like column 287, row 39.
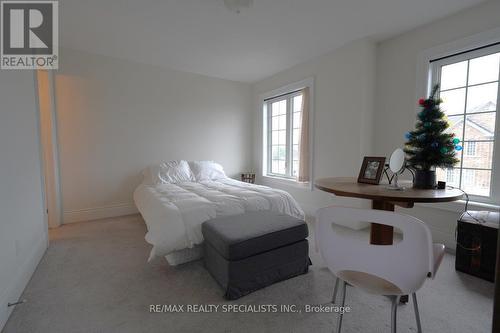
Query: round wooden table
column 384, row 199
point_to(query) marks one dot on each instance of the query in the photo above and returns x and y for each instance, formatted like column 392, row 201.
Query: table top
column 349, row 187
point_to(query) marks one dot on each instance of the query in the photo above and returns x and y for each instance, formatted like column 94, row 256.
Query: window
column 468, row 178
column 450, row 176
column 471, row 149
column 469, row 88
column 284, row 121
column 287, row 148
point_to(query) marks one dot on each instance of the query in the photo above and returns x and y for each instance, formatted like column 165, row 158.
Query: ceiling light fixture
column 237, row 5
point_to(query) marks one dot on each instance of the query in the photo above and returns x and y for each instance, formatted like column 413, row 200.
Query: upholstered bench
column 254, row 250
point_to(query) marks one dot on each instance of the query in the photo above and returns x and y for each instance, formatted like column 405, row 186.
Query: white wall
column 23, row 230
column 396, row 90
column 116, row 117
column 343, row 115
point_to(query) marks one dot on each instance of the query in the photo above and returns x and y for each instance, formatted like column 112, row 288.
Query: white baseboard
column 16, row 287
column 89, row 214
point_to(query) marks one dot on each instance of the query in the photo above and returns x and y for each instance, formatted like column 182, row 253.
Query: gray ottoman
column 254, row 250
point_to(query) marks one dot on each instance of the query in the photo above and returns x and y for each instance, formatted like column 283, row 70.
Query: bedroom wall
column 116, row 117
column 23, row 228
column 396, row 93
column 343, row 115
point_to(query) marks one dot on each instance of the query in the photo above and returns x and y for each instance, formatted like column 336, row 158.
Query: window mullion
column 464, row 124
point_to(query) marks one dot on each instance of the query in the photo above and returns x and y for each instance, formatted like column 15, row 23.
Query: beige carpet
column 95, row 278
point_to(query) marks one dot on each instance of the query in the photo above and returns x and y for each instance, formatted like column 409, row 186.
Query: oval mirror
column 397, row 161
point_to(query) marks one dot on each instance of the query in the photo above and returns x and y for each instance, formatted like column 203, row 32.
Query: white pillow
column 207, row 170
column 168, row 172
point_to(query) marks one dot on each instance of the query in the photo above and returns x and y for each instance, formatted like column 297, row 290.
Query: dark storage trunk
column 477, row 246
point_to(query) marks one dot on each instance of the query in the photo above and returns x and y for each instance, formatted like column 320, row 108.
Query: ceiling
column 202, row 36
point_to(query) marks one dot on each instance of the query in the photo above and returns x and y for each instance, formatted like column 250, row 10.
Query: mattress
column 174, row 212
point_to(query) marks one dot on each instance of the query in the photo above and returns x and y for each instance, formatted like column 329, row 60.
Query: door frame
column 49, row 147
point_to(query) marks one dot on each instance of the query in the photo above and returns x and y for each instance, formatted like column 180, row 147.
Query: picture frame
column 371, row 170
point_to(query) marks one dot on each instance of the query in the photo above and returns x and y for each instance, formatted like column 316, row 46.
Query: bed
column 176, row 197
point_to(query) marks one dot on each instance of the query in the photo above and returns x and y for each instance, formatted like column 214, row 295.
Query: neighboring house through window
column 471, row 149
column 469, row 88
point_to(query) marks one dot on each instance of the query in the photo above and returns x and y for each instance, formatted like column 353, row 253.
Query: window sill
column 459, row 206
column 286, row 181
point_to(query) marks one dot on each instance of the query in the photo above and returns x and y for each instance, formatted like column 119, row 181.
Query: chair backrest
column 395, row 269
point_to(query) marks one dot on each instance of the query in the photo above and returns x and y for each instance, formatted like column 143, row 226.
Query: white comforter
column 174, row 212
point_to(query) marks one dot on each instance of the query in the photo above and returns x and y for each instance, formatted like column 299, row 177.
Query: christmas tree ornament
column 428, row 146
column 456, row 141
column 407, row 135
column 458, row 148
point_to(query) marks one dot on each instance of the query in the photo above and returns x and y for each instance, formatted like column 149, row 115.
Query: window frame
column 265, row 111
column 289, row 135
column 462, row 54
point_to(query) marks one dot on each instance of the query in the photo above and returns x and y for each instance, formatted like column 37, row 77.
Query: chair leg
column 339, row 323
column 417, row 314
column 334, row 297
column 395, row 302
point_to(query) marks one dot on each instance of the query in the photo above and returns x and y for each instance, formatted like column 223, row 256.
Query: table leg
column 383, row 234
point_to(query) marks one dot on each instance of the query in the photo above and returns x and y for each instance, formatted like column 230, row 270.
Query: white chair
column 391, row 270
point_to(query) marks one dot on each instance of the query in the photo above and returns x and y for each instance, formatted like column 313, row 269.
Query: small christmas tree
column 428, row 146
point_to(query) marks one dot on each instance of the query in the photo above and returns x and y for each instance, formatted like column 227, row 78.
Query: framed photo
column 371, row 170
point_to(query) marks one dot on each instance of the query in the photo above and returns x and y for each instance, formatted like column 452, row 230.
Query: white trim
column 55, row 148
column 40, row 158
column 262, row 109
column 15, row 288
column 49, row 147
column 286, row 181
column 96, row 213
column 289, row 131
column 459, row 206
column 309, row 82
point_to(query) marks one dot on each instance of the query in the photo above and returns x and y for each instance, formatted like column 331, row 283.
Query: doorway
column 49, row 146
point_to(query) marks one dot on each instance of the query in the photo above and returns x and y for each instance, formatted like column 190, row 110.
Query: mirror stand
column 397, row 164
column 394, row 184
